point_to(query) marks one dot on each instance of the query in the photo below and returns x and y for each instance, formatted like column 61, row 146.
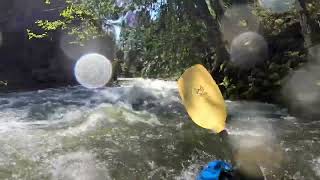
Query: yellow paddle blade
column 202, row 98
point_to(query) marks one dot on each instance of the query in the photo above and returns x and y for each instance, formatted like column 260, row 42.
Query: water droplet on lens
column 93, row 70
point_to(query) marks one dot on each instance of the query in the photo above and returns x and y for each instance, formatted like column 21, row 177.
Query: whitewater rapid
column 140, row 130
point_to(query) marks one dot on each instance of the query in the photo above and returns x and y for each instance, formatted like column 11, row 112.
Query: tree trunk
column 304, row 23
column 213, row 26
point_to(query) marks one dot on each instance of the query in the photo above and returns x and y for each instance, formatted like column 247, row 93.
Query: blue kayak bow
column 213, row 170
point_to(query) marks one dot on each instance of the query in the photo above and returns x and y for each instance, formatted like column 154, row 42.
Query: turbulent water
column 140, row 130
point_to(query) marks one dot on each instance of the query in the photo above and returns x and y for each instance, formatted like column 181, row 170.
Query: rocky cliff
column 38, row 63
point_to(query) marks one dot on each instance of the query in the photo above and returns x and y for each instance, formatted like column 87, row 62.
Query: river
column 140, row 130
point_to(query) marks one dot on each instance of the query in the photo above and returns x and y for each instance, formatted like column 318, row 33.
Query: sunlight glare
column 93, row 70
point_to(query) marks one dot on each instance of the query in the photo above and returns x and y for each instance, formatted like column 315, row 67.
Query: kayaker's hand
column 223, row 135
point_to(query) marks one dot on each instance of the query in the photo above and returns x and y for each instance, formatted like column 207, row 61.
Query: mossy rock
column 261, row 74
column 274, row 76
column 258, row 81
column 266, row 83
column 250, row 93
column 241, row 85
column 273, row 67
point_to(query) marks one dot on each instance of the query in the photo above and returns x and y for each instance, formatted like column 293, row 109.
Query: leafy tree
column 186, row 32
column 81, row 19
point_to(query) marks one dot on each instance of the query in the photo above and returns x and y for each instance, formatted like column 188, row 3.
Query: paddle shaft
column 224, row 139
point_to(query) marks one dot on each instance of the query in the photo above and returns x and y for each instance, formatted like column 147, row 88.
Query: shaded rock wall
column 39, row 63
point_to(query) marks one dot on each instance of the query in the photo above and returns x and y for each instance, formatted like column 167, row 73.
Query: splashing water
column 111, row 26
column 78, row 165
column 316, row 166
column 138, row 130
column 93, row 70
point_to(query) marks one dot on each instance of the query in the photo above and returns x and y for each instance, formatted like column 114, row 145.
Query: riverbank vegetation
column 249, row 46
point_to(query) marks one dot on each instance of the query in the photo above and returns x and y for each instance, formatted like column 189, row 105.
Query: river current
column 140, row 130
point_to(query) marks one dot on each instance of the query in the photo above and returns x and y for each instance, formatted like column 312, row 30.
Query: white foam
column 143, row 116
column 90, row 122
column 126, row 114
column 112, row 95
column 150, row 83
column 109, row 114
column 142, row 89
column 316, row 166
column 9, row 120
column 241, row 132
column 78, row 166
column 189, row 173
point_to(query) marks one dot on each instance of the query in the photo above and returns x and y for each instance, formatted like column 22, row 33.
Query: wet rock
column 274, row 76
column 4, row 102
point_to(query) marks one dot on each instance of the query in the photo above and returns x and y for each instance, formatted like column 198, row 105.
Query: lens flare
column 314, row 53
column 277, row 6
column 248, row 49
column 238, row 19
column 255, row 153
column 93, row 70
column 255, row 142
column 302, row 91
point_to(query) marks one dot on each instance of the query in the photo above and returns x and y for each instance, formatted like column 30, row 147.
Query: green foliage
column 165, row 47
column 313, row 8
column 32, row 35
column 182, row 36
column 48, row 2
column 50, row 26
column 272, row 23
column 81, row 19
column 3, row 83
